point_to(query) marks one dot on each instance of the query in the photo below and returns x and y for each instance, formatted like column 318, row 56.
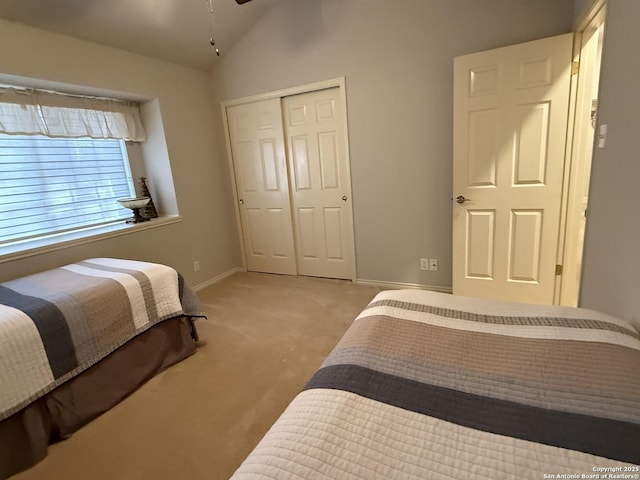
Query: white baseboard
column 217, row 278
column 398, row 285
column 359, row 281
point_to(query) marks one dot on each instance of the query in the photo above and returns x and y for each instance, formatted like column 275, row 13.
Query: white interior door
column 510, row 126
column 257, row 145
column 320, row 183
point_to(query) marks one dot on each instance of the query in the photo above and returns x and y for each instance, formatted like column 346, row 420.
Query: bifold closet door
column 257, row 145
column 315, row 132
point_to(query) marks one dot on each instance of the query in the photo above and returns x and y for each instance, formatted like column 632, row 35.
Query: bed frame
column 56, row 415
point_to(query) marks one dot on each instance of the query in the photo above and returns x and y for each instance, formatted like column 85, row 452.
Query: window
column 54, row 185
column 63, row 165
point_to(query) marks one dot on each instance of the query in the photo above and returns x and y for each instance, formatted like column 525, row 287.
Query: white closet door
column 315, row 130
column 257, row 144
column 510, row 127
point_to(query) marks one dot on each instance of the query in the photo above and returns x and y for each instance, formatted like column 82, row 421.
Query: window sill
column 28, row 248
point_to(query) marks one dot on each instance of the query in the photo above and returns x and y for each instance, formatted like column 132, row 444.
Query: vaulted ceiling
column 174, row 30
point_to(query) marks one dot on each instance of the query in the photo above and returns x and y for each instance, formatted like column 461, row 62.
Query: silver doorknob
column 344, row 198
column 241, row 201
column 461, row 199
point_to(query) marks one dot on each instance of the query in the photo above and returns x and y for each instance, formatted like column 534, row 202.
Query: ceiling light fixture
column 212, row 42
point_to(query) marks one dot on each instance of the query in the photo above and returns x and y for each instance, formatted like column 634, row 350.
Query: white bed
column 431, row 386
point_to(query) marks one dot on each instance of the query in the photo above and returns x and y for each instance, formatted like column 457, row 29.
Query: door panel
column 323, row 225
column 279, row 225
column 333, row 233
column 328, row 151
column 510, row 125
column 484, row 80
column 479, row 255
column 307, row 248
column 270, row 172
column 525, row 236
column 530, row 162
column 255, row 232
column 535, row 73
column 257, row 145
column 483, row 147
column 299, row 152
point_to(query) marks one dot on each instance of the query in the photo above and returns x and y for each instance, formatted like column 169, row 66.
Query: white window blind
column 53, row 185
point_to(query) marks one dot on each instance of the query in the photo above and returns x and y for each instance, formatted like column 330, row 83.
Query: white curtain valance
column 38, row 112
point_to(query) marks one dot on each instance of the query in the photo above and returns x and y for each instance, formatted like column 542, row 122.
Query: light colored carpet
column 265, row 336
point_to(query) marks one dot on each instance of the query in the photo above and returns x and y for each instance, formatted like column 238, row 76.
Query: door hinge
column 575, row 68
column 558, row 269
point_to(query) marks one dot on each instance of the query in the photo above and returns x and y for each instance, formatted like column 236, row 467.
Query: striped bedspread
column 431, row 386
column 56, row 324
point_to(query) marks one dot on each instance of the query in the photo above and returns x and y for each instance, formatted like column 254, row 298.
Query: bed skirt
column 24, row 436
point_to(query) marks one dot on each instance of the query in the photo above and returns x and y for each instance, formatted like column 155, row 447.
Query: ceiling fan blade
column 240, row 2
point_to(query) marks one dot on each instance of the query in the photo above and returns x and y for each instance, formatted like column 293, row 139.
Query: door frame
column 339, row 83
column 597, row 9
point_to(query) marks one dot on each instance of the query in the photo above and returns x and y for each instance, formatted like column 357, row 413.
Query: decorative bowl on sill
column 135, row 204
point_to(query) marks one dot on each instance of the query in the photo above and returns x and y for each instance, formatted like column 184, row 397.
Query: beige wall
column 397, row 57
column 203, row 194
column 611, row 275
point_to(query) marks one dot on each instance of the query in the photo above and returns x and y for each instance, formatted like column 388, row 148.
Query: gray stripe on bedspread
column 596, row 402
column 505, row 320
column 143, row 280
column 598, row 436
column 80, row 298
column 51, row 325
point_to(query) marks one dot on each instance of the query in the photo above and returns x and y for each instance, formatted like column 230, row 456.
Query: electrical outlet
column 433, row 264
column 424, row 264
column 196, row 266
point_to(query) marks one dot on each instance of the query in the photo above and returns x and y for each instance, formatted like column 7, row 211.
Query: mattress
column 56, row 324
column 76, row 340
column 425, row 385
